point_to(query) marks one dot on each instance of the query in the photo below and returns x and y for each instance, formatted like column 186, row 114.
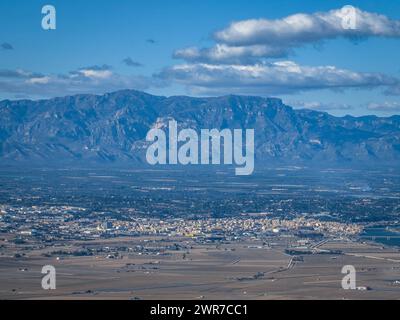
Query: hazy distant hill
column 112, row 127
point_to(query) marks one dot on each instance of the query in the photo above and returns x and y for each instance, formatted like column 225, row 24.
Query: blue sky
column 346, row 73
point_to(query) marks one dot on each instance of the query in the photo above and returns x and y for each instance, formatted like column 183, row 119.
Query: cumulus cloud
column 131, row 63
column 270, row 78
column 301, row 28
column 222, row 53
column 238, row 61
column 93, row 72
column 6, row 46
column 18, row 74
column 253, row 39
column 386, row 106
column 93, row 79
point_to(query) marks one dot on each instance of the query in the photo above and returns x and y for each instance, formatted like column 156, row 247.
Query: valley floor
column 243, row 270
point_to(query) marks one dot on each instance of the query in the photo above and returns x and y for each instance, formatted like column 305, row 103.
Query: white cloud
column 95, row 79
column 39, row 80
column 96, row 74
column 253, row 39
column 237, row 62
column 384, row 106
column 302, row 28
column 270, row 78
column 323, row 106
column 18, row 74
column 222, row 53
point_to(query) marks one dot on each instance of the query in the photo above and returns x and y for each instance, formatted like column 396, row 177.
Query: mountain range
column 111, row 128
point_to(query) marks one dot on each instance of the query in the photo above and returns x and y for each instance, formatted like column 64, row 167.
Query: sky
column 312, row 54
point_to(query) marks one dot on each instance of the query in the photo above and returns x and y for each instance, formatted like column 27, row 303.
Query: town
column 51, row 224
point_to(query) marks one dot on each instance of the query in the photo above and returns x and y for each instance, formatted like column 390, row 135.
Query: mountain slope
column 112, row 128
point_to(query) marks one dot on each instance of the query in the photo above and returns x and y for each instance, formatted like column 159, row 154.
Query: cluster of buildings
column 48, row 223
